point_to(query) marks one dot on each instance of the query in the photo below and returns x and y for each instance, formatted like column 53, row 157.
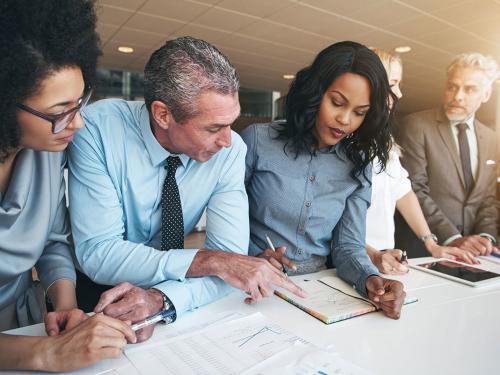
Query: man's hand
column 277, row 258
column 130, row 303
column 475, row 244
column 453, row 253
column 253, row 275
column 389, row 262
column 388, row 295
column 59, row 321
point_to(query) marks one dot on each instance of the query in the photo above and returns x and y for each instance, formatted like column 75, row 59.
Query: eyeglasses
column 62, row 120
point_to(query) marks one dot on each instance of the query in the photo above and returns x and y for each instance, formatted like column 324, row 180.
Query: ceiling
column 265, row 39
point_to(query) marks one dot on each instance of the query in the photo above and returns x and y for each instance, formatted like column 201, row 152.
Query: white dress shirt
column 471, row 138
column 474, row 159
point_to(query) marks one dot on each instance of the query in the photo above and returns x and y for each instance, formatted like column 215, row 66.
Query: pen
column 165, row 315
column 270, row 243
column 404, row 258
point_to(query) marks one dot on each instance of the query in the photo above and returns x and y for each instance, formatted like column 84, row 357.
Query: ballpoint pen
column 270, row 243
column 404, row 258
column 166, row 315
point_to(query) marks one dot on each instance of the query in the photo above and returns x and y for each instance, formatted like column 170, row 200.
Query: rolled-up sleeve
column 348, row 240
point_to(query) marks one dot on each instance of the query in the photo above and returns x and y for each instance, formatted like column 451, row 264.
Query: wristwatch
column 492, row 239
column 430, row 236
column 168, row 308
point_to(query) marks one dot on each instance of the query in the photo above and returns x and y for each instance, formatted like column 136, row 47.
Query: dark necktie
column 463, row 146
column 172, row 223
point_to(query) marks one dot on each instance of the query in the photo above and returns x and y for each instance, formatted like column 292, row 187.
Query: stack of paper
column 252, row 344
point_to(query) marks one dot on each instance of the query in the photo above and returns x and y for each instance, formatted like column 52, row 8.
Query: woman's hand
column 388, row 295
column 389, row 262
column 98, row 337
column 58, row 321
column 453, row 253
column 277, row 258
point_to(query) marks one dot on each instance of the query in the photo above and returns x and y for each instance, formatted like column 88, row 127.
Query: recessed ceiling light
column 125, row 49
column 402, row 49
column 288, row 76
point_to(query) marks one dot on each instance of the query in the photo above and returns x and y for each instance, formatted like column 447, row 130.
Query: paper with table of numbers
column 228, row 348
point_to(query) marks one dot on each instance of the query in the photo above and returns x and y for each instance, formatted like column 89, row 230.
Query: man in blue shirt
column 118, row 169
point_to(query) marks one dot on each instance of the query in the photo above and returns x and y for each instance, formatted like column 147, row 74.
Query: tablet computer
column 457, row 271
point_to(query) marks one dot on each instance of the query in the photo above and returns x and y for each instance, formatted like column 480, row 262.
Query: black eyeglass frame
column 53, row 119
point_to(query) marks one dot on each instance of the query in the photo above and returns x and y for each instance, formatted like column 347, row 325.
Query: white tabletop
column 450, row 330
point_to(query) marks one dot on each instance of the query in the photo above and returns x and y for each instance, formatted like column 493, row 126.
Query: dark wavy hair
column 37, row 38
column 373, row 138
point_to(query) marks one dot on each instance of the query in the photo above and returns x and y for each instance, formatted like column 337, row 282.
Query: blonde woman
column 391, row 190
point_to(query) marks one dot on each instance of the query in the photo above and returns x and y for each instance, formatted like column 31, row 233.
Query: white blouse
column 387, row 187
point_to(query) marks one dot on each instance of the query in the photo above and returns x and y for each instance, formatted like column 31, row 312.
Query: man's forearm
column 207, row 263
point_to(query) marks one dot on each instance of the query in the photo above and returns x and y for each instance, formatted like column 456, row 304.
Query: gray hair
column 486, row 64
column 182, row 69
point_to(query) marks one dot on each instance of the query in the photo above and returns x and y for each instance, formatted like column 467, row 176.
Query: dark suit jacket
column 431, row 158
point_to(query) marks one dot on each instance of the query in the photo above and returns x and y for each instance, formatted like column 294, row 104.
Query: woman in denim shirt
column 308, row 178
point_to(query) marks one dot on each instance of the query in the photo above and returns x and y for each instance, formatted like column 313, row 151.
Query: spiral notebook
column 330, row 300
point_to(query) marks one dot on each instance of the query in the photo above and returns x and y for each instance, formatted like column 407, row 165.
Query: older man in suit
column 450, row 157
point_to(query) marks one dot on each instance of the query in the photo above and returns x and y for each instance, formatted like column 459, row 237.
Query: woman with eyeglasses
column 49, row 53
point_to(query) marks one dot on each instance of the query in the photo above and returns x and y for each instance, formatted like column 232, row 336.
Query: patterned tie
column 463, row 146
column 172, row 223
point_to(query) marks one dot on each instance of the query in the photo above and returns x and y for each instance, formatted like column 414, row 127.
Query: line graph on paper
column 228, row 348
column 243, row 341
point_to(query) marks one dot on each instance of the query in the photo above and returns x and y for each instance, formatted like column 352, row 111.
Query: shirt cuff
column 193, row 292
column 489, row 236
column 364, row 271
column 59, row 273
column 179, row 261
column 451, row 239
column 361, row 284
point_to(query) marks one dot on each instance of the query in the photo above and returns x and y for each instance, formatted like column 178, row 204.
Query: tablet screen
column 460, row 271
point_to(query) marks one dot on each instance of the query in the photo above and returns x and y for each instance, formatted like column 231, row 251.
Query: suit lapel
column 445, row 132
column 481, row 153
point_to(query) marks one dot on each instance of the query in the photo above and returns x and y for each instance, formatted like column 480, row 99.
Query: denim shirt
column 310, row 204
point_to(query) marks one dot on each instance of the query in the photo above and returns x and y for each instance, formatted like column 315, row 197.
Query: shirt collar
column 157, row 153
column 328, row 150
column 469, row 121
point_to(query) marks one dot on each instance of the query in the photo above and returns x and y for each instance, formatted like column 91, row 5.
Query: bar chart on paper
column 228, row 348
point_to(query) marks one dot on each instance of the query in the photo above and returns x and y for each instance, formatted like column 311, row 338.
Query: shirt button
column 301, row 227
column 308, row 204
column 299, row 251
column 312, row 178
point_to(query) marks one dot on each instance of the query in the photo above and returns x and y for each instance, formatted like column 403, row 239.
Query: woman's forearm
column 410, row 209
column 372, row 252
column 62, row 294
column 20, row 352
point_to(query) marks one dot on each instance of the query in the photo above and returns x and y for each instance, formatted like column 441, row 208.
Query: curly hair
column 37, row 38
column 373, row 138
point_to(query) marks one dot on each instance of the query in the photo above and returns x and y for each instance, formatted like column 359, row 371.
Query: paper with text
column 306, row 360
column 228, row 348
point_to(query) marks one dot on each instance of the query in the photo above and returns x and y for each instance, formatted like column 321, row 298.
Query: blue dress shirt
column 311, row 205
column 115, row 184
